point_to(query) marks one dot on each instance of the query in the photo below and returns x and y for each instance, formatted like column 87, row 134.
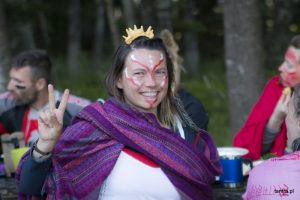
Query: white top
column 133, row 179
column 31, row 126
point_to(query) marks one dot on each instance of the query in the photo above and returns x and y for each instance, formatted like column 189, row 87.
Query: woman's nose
column 281, row 67
column 149, row 80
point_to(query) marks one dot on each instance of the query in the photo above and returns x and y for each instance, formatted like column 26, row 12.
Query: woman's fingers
column 286, row 102
column 51, row 98
column 43, row 118
column 288, row 97
column 53, row 121
column 64, row 101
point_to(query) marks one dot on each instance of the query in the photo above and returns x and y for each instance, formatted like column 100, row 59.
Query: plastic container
column 16, row 155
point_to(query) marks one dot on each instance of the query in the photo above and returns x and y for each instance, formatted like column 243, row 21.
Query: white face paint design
column 145, row 79
column 150, row 62
column 134, row 80
column 149, row 69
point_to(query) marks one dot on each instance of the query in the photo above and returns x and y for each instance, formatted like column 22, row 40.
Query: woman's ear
column 119, row 83
column 41, row 84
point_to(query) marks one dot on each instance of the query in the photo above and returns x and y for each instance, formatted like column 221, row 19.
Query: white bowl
column 232, row 151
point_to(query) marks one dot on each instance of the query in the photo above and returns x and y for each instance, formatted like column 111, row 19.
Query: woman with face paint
column 128, row 146
column 265, row 129
column 278, row 178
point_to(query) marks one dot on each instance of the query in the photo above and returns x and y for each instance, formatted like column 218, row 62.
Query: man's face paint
column 290, row 68
column 22, row 86
column 145, row 77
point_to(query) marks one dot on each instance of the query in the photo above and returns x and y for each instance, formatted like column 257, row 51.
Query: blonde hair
column 177, row 60
column 173, row 49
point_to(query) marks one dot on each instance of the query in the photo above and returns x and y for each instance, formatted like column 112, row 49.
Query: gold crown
column 134, row 33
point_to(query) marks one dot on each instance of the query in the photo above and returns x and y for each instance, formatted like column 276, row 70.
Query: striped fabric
column 88, row 150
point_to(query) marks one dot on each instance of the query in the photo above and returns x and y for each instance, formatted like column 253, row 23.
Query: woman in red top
column 265, row 130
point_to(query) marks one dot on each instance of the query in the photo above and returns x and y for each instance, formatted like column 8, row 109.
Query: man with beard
column 27, row 94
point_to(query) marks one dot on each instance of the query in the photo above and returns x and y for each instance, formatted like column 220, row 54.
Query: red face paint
column 145, row 79
column 156, row 75
column 290, row 68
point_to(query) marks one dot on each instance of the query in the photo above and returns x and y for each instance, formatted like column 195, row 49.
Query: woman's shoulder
column 275, row 82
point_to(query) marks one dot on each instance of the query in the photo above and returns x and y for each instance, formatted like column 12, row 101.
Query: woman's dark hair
column 167, row 109
column 296, row 104
column 296, row 100
column 295, row 42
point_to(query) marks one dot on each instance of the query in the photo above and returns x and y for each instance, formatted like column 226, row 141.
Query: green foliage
column 211, row 89
column 268, row 155
column 87, row 82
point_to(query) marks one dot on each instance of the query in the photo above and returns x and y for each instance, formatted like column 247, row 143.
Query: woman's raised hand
column 280, row 111
column 50, row 121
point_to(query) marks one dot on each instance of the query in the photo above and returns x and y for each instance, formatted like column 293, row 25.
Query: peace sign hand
column 50, row 121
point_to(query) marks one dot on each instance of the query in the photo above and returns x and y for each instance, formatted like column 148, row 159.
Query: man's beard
column 27, row 101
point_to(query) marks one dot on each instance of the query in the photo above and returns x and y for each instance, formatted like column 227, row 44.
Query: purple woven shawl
column 88, row 150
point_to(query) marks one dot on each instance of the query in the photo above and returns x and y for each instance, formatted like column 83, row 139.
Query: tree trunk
column 44, row 29
column 129, row 11
column 284, row 11
column 164, row 13
column 74, row 37
column 4, row 49
column 112, row 23
column 148, row 13
column 27, row 34
column 99, row 34
column 243, row 57
column 192, row 55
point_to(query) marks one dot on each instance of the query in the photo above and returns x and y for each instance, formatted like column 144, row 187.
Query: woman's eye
column 161, row 72
column 138, row 73
column 289, row 66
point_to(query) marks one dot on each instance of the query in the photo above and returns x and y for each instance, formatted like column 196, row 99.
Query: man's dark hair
column 38, row 60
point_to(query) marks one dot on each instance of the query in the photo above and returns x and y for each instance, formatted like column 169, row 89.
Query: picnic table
column 8, row 190
column 222, row 193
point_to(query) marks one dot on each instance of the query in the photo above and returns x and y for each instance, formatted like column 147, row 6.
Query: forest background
column 230, row 47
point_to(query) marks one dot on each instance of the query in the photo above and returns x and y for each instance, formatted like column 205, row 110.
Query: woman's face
column 144, row 80
column 290, row 68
